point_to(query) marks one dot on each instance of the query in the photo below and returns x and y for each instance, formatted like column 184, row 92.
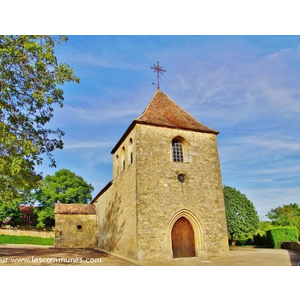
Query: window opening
column 177, row 151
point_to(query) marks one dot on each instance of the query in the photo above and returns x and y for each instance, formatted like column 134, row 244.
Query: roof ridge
column 145, row 110
column 183, row 110
column 74, row 208
column 162, row 111
column 178, row 118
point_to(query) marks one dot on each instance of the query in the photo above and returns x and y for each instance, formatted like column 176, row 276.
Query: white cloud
column 104, row 61
column 266, row 198
column 274, row 144
column 248, row 92
column 85, row 144
column 238, row 87
column 97, row 114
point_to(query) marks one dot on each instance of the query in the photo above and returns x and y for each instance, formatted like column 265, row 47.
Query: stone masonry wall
column 68, row 235
column 161, row 197
column 34, row 233
column 116, row 208
column 291, row 246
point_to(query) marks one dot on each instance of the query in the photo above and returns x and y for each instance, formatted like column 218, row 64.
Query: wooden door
column 183, row 240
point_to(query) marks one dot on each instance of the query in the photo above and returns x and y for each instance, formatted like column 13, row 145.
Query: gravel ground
column 27, row 255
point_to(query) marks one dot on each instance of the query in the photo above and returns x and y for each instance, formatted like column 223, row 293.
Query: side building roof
column 74, row 209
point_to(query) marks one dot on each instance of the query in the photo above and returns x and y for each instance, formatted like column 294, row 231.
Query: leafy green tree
column 260, row 235
column 241, row 216
column 286, row 215
column 31, row 81
column 62, row 187
column 10, row 212
column 264, row 226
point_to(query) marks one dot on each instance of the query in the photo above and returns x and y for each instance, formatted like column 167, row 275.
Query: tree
column 264, row 226
column 286, row 215
column 10, row 213
column 31, row 82
column 62, row 187
column 241, row 216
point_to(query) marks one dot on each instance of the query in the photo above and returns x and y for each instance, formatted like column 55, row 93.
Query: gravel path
column 27, row 255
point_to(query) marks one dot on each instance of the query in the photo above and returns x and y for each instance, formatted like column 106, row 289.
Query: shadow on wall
column 294, row 257
column 111, row 229
column 293, row 249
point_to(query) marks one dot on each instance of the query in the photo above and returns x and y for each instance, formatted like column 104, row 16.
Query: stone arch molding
column 198, row 231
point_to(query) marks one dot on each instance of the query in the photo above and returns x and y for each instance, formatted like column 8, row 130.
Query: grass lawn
column 29, row 240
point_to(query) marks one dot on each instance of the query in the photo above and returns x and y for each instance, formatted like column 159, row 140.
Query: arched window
column 123, row 161
column 117, row 164
column 130, row 150
column 177, row 146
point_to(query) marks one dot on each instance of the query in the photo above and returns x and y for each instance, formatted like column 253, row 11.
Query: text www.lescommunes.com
column 50, row 260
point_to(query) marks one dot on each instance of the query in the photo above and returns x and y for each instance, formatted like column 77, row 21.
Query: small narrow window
column 131, row 157
column 117, row 163
column 123, row 158
column 130, row 150
column 177, row 150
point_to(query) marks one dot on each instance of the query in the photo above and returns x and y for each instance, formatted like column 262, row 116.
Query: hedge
column 276, row 236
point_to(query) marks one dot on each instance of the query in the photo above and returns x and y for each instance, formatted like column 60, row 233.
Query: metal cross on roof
column 159, row 71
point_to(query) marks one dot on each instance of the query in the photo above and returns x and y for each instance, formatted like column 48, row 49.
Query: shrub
column 259, row 239
column 244, row 242
column 276, row 236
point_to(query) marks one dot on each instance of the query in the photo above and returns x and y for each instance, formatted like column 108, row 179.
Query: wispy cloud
column 239, row 87
column 112, row 106
column 97, row 114
column 99, row 61
column 266, row 198
column 85, row 144
column 248, row 88
column 280, row 143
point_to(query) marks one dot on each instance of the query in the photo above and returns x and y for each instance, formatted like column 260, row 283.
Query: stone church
column 165, row 200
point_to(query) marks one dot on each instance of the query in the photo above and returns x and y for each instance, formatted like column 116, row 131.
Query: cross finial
column 159, row 70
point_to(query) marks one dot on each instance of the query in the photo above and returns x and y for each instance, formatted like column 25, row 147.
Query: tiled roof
column 163, row 111
column 77, row 209
column 27, row 209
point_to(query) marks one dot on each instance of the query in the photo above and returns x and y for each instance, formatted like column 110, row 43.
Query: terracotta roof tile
column 27, row 209
column 163, row 111
column 79, row 209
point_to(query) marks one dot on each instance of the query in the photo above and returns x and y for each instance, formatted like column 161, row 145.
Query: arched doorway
column 183, row 240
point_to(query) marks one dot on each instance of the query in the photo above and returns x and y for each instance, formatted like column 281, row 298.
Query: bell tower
column 179, row 189
column 166, row 197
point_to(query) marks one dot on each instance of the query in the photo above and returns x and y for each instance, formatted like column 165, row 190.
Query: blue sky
column 246, row 87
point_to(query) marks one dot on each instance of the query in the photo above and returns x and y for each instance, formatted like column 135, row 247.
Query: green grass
column 29, row 240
